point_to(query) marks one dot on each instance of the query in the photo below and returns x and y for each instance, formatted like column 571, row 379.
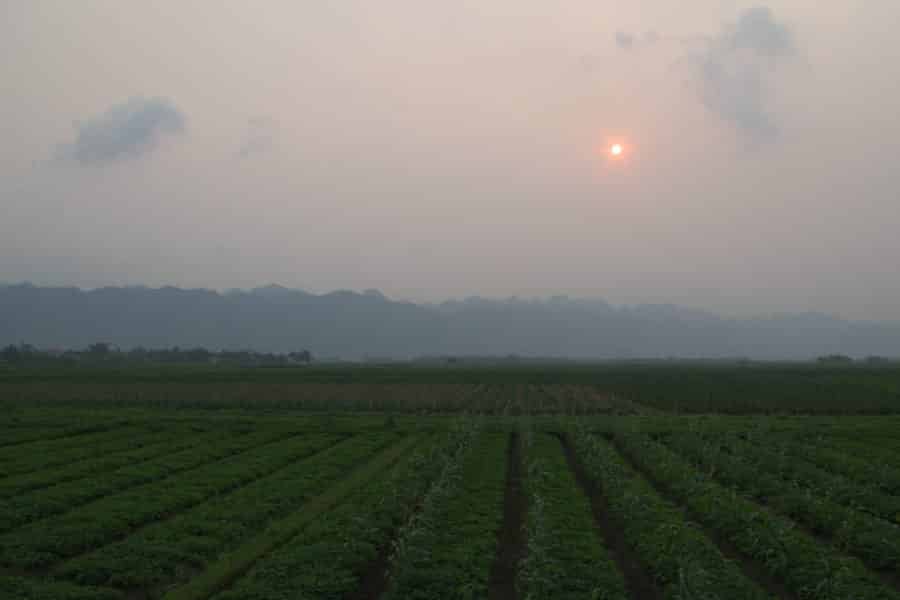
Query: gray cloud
column 624, row 40
column 734, row 69
column 127, row 130
column 757, row 30
column 259, row 137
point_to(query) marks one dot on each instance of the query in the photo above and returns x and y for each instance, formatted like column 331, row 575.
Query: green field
column 628, row 481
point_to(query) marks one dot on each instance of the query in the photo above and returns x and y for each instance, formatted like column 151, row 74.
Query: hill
column 351, row 324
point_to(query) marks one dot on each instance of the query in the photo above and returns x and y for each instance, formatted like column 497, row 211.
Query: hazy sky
column 443, row 149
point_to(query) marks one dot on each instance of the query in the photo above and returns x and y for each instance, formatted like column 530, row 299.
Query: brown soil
column 637, row 580
column 374, row 581
column 511, row 537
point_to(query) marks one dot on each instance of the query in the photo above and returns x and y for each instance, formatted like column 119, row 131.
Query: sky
column 442, row 150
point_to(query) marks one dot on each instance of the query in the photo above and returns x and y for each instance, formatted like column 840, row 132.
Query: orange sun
column 615, row 151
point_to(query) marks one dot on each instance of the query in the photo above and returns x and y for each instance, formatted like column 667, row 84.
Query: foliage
column 675, row 387
column 447, row 548
column 565, row 557
column 276, row 489
column 683, row 561
column 807, row 567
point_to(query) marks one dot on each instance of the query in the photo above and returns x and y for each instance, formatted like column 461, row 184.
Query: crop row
column 348, row 391
column 801, row 463
column 580, row 399
column 45, row 430
column 875, row 435
column 775, row 460
column 330, row 557
column 39, row 504
column 22, row 588
column 447, row 549
column 327, row 557
column 35, row 456
column 100, row 522
column 806, row 567
column 682, row 560
column 831, row 445
column 868, row 469
column 874, row 448
column 565, row 556
column 158, row 554
column 235, row 563
column 873, row 539
column 145, row 448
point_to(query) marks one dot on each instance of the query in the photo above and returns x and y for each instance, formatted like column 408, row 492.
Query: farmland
column 611, row 482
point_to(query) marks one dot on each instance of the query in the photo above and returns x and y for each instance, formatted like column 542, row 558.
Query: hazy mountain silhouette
column 350, row 324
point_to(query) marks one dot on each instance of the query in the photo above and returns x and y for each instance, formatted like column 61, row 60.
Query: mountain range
column 354, row 325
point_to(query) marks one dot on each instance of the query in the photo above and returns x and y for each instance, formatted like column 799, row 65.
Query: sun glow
column 615, row 151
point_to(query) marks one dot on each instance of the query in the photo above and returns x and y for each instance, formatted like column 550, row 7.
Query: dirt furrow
column 638, row 582
column 511, row 537
column 748, row 567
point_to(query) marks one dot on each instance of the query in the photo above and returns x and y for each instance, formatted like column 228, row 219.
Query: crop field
column 443, row 488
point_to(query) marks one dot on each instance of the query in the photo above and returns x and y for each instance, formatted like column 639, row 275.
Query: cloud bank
column 125, row 131
column 733, row 72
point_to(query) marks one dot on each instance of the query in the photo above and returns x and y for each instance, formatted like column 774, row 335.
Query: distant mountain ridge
column 351, row 324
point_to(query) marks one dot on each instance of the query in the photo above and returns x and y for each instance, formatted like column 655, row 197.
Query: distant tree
column 10, row 354
column 138, row 353
column 304, row 356
column 196, row 355
column 99, row 349
column 877, row 360
column 835, row 359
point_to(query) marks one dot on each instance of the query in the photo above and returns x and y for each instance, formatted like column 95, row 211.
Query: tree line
column 105, row 353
